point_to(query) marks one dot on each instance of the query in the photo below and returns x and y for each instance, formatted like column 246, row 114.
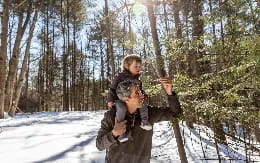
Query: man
column 138, row 148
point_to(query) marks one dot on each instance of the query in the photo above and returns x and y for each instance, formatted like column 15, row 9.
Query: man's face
column 135, row 68
column 136, row 98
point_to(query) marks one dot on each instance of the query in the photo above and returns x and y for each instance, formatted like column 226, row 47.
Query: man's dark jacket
column 122, row 76
column 138, row 148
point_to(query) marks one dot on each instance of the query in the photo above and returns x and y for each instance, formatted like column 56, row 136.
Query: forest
column 62, row 55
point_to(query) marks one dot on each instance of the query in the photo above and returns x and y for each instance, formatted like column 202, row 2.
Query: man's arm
column 105, row 137
column 157, row 114
column 108, row 132
column 167, row 113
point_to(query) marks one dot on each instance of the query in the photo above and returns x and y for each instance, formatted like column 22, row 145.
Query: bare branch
column 20, row 4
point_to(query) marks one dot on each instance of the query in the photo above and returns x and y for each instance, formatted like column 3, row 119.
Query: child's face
column 135, row 68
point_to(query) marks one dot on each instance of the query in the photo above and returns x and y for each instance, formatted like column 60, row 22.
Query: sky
column 70, row 137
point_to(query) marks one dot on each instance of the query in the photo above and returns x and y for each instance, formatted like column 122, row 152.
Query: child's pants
column 121, row 111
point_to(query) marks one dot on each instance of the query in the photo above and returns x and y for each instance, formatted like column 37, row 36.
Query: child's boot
column 146, row 125
column 144, row 116
column 123, row 138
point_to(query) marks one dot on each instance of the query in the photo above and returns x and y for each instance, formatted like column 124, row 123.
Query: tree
column 3, row 54
column 13, row 64
column 110, row 52
column 19, row 85
column 162, row 73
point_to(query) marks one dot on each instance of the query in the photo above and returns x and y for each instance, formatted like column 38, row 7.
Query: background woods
column 61, row 55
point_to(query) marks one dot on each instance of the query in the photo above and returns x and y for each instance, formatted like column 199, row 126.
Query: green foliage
column 250, row 46
column 226, row 94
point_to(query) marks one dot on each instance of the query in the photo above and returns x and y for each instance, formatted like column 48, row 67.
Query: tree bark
column 257, row 132
column 102, row 73
column 3, row 54
column 40, row 83
column 74, row 66
column 124, row 30
column 64, row 64
column 218, row 132
column 94, row 90
column 197, row 41
column 162, row 73
column 177, row 64
column 68, row 53
column 177, row 133
column 13, row 64
column 109, row 43
column 47, row 56
column 213, row 24
column 159, row 60
column 131, row 51
column 24, row 66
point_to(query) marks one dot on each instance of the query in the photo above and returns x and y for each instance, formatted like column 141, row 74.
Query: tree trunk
column 219, row 59
column 171, row 61
column 197, row 41
column 27, row 88
column 177, row 133
column 3, row 54
column 186, row 11
column 88, row 86
column 47, row 56
column 217, row 148
column 68, row 53
column 162, row 73
column 74, row 67
column 124, row 29
column 213, row 24
column 159, row 60
column 257, row 132
column 13, row 64
column 102, row 73
column 64, row 64
column 131, row 51
column 218, row 132
column 177, row 64
column 94, row 91
column 109, row 43
column 40, row 83
column 24, row 66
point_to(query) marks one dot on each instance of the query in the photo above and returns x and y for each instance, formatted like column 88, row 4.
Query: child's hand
column 110, row 104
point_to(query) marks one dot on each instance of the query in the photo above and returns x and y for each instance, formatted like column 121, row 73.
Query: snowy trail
column 51, row 137
column 69, row 137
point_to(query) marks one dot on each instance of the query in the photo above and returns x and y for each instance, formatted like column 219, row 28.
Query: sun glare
column 138, row 8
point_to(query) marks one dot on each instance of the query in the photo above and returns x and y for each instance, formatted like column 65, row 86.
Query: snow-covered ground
column 69, row 137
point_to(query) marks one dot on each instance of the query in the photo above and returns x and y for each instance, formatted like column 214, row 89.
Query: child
column 131, row 70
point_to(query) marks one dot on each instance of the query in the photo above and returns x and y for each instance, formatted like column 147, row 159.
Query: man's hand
column 119, row 128
column 110, row 104
column 167, row 85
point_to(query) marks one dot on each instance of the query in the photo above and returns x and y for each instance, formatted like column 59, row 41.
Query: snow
column 69, row 137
